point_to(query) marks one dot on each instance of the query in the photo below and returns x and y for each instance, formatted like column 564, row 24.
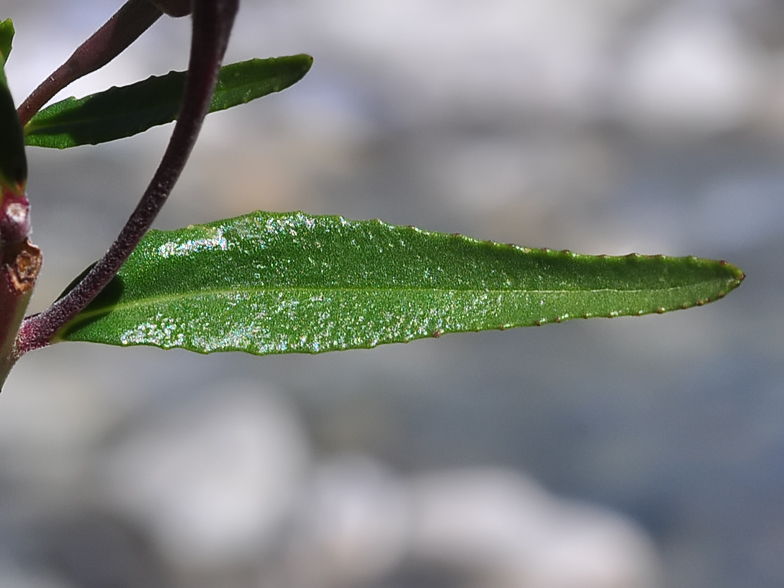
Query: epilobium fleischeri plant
column 268, row 282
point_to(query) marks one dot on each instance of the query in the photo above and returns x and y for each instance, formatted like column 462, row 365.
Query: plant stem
column 122, row 29
column 19, row 269
column 212, row 23
column 20, row 262
column 175, row 8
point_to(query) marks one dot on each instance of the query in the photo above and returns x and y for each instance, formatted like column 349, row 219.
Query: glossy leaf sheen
column 276, row 283
column 128, row 110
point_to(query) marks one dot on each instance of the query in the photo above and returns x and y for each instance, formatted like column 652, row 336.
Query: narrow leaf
column 13, row 161
column 125, row 111
column 280, row 283
column 6, row 39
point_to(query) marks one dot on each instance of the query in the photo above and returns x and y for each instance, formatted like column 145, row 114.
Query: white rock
column 213, row 481
column 507, row 532
column 691, row 72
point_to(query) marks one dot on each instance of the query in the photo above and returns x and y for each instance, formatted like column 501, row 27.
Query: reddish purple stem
column 122, row 29
column 212, row 23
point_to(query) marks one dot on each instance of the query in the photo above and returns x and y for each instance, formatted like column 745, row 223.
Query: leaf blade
column 13, row 160
column 278, row 283
column 6, row 39
column 128, row 110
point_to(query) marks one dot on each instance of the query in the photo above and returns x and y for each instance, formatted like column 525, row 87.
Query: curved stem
column 122, row 29
column 212, row 23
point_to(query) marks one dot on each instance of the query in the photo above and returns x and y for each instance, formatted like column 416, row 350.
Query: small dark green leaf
column 6, row 39
column 279, row 283
column 128, row 110
column 13, row 162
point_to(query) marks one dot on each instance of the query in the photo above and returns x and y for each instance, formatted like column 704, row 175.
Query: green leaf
column 281, row 283
column 128, row 110
column 6, row 39
column 13, row 161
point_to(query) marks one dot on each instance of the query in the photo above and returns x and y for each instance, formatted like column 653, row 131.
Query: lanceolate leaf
column 277, row 283
column 128, row 110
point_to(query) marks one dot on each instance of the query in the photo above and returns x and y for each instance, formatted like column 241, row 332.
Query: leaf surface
column 6, row 39
column 278, row 283
column 125, row 111
column 13, row 161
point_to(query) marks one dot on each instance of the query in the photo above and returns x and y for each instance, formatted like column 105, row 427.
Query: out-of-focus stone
column 507, row 532
column 214, row 479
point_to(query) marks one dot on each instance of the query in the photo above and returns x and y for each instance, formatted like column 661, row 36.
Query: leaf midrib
column 86, row 315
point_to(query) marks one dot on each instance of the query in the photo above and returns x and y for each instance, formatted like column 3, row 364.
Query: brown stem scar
column 22, row 263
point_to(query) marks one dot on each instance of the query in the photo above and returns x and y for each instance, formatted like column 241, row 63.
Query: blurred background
column 628, row 453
